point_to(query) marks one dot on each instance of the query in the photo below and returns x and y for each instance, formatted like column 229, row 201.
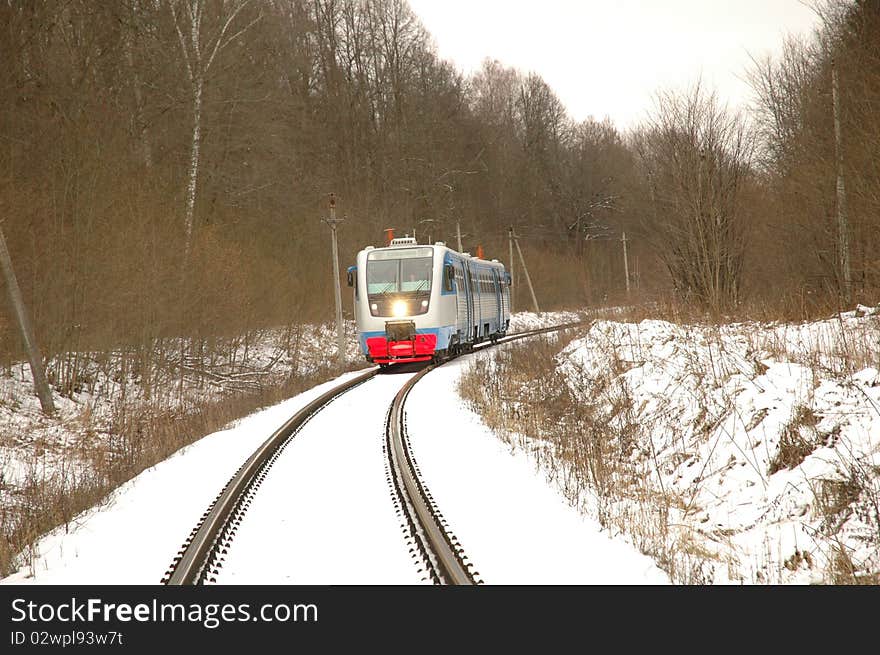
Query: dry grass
column 589, row 448
column 846, row 572
column 589, row 436
column 794, row 446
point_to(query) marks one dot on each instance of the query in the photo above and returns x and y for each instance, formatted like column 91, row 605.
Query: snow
column 31, row 441
column 713, row 408
column 133, row 538
column 324, row 515
column 523, row 321
column 513, row 526
column 712, row 404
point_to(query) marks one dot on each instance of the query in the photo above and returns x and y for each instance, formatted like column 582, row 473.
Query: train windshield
column 399, row 270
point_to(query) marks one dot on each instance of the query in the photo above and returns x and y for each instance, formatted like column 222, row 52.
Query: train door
column 463, row 312
column 473, row 303
column 499, row 300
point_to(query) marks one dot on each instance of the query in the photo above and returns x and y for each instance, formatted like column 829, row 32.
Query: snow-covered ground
column 759, row 443
column 326, row 515
column 762, row 441
column 522, row 321
column 513, row 526
column 84, row 430
column 30, row 440
column 133, row 538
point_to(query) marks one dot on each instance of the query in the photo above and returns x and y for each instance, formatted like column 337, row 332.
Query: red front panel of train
column 419, row 349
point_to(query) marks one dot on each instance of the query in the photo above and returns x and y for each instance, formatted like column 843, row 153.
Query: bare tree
column 696, row 158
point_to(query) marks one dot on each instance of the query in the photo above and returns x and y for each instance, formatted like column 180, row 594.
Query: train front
column 396, row 303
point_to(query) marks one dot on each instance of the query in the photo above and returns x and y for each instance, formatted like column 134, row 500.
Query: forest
column 165, row 166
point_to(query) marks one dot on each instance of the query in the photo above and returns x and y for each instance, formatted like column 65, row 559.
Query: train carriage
column 415, row 302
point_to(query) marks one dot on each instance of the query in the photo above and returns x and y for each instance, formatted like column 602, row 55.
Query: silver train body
column 416, row 302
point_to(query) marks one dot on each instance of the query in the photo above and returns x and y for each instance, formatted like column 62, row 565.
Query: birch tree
column 202, row 35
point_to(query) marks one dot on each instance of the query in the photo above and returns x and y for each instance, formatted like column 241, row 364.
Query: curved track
column 193, row 560
column 438, row 548
column 441, row 552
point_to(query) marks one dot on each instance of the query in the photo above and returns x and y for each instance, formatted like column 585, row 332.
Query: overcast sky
column 609, row 57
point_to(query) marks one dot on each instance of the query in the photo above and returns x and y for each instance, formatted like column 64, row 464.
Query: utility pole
column 510, row 260
column 340, row 335
column 842, row 227
column 625, row 262
column 41, row 386
column 458, row 235
column 526, row 271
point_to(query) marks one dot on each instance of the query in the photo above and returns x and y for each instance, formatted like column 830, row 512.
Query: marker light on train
column 398, row 309
column 424, row 304
column 374, row 307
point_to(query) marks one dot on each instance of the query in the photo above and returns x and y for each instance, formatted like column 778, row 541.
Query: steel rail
column 190, row 566
column 441, row 554
column 433, row 539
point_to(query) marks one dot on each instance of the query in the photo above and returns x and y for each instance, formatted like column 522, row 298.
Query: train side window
column 448, row 275
column 352, row 280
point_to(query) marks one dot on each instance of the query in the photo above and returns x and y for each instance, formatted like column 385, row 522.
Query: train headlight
column 424, row 304
column 398, row 309
column 374, row 307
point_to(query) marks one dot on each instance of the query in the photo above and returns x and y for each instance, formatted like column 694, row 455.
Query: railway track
column 444, row 558
column 192, row 565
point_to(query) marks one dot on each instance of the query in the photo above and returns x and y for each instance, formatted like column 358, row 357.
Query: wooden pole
column 337, row 291
column 510, row 264
column 526, row 271
column 41, row 386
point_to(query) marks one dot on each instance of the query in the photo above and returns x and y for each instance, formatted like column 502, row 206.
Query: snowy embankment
column 759, row 445
column 121, row 411
column 522, row 321
column 513, row 526
column 33, row 445
column 132, row 538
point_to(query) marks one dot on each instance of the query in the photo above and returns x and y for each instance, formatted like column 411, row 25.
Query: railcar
column 416, row 302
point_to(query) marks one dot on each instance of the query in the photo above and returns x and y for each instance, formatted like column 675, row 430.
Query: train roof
column 410, row 242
